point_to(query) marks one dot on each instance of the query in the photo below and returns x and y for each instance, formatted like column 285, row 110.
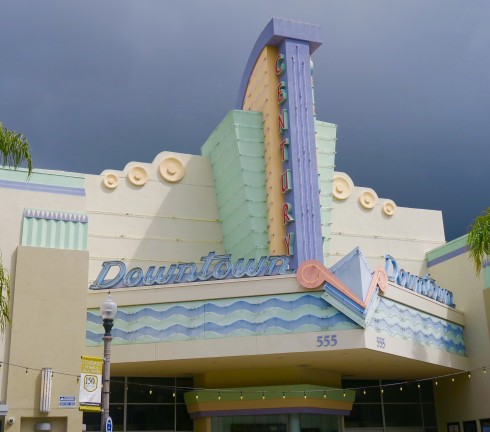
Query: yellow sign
column 91, row 384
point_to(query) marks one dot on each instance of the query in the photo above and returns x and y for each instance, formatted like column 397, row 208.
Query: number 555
column 326, row 341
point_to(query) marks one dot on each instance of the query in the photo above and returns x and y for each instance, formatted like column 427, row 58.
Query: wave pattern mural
column 402, row 321
column 250, row 316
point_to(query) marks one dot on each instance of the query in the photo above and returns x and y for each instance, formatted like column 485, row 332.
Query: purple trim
column 273, row 34
column 300, row 410
column 41, row 188
column 302, row 162
column 448, row 256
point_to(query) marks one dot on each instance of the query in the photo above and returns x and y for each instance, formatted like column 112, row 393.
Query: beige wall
column 48, row 330
column 407, row 235
column 466, row 399
column 157, row 223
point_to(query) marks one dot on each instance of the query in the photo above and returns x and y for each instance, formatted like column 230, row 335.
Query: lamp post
column 108, row 311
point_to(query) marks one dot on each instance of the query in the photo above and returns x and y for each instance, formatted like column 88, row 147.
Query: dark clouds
column 95, row 85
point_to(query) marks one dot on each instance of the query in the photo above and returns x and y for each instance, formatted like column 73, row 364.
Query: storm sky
column 97, row 84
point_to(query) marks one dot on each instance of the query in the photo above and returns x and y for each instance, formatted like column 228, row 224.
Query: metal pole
column 106, row 373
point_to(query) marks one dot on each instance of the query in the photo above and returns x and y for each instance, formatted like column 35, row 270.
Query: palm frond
column 14, row 149
column 478, row 241
column 4, row 297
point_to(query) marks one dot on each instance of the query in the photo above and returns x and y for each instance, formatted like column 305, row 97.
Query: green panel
column 326, row 137
column 486, row 276
column 43, row 177
column 54, row 229
column 294, row 391
column 448, row 248
column 236, row 151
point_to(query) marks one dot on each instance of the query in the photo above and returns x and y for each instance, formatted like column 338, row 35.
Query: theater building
column 257, row 288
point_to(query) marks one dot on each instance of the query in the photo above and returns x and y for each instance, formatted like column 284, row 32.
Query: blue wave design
column 419, row 336
column 426, row 320
column 223, row 331
column 208, row 307
column 405, row 322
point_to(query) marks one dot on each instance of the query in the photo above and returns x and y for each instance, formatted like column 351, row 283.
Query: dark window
column 117, row 389
column 409, row 393
column 365, row 415
column 429, row 413
column 184, row 422
column 402, row 415
column 150, row 417
column 151, row 390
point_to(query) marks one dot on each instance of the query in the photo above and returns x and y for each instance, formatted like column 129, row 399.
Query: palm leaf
column 478, row 241
column 14, row 149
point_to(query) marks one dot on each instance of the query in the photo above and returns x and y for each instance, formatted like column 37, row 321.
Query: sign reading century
column 286, row 176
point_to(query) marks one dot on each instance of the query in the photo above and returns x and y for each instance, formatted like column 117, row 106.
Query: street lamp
column 108, row 311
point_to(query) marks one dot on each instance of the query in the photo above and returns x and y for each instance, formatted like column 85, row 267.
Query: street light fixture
column 108, row 311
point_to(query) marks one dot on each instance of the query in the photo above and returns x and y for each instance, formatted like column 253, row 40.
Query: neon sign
column 214, row 267
column 421, row 285
column 286, row 176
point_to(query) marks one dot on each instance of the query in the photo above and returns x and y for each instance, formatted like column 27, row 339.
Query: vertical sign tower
column 295, row 215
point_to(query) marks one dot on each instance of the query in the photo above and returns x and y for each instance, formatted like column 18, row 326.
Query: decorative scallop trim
column 389, row 207
column 138, row 176
column 368, row 198
column 171, row 169
column 111, row 180
column 342, row 186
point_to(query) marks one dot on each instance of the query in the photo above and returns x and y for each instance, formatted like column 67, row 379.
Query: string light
column 264, row 393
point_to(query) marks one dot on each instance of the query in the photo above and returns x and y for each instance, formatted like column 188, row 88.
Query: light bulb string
column 244, row 391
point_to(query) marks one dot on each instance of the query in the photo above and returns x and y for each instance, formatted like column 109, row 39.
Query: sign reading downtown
column 214, row 267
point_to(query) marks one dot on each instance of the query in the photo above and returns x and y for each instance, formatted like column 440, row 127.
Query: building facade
column 258, row 289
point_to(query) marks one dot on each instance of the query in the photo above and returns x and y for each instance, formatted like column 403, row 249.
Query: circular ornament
column 111, row 181
column 342, row 186
column 138, row 176
column 368, row 199
column 389, row 208
column 172, row 169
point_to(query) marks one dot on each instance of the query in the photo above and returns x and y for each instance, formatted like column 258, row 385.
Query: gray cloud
column 96, row 85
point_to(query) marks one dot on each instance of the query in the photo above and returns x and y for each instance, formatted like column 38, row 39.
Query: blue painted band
column 42, row 188
column 273, row 34
column 453, row 254
column 258, row 411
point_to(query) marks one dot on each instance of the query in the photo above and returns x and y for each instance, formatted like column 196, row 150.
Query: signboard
column 214, row 267
column 67, row 402
column 421, row 285
column 108, row 425
column 91, row 384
